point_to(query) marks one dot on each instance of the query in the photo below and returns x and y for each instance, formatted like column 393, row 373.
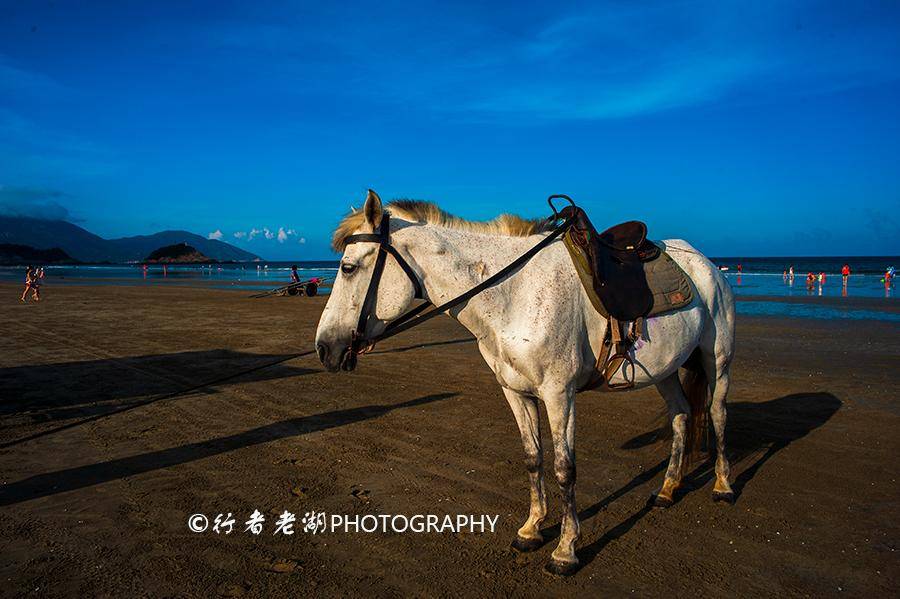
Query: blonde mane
column 417, row 211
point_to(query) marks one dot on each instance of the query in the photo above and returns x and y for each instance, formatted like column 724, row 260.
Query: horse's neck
column 454, row 261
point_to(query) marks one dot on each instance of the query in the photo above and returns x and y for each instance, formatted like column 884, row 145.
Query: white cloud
column 282, row 234
column 217, row 234
column 301, row 240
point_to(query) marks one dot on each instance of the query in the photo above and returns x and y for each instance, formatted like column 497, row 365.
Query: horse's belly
column 666, row 343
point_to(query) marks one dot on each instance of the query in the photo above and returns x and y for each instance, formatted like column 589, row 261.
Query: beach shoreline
column 119, row 457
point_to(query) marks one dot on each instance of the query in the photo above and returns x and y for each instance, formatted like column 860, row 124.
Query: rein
column 360, row 344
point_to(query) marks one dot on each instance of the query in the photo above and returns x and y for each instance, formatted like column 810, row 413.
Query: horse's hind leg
column 679, row 413
column 720, row 380
column 525, row 409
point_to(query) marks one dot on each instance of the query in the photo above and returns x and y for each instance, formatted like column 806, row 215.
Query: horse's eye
column 347, row 268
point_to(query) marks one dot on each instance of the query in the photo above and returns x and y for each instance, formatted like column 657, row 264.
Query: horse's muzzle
column 335, row 361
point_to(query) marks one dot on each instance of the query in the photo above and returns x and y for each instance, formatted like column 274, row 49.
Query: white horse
column 539, row 333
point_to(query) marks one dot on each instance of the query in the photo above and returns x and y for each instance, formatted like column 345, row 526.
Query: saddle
column 627, row 278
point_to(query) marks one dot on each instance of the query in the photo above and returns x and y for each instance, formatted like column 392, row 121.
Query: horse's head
column 392, row 295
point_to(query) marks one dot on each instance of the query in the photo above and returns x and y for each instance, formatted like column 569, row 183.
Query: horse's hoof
column 525, row 545
column 723, row 496
column 661, row 501
column 558, row 568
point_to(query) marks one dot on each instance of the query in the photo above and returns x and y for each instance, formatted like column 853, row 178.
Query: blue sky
column 765, row 128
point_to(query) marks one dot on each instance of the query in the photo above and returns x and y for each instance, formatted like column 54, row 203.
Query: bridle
column 360, row 344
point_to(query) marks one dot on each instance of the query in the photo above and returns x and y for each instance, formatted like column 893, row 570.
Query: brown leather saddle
column 627, row 278
column 617, row 258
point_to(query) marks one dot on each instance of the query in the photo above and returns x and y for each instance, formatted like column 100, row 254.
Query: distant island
column 84, row 246
column 13, row 254
column 179, row 253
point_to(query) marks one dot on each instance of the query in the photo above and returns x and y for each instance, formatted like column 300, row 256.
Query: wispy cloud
column 605, row 60
column 33, row 202
column 217, row 234
column 19, row 80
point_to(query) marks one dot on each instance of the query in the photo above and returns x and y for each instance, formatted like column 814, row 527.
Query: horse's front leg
column 525, row 409
column 561, row 413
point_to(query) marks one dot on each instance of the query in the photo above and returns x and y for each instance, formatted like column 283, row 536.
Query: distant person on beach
column 821, row 278
column 33, row 278
column 38, row 281
column 784, row 276
column 791, row 271
column 295, row 278
column 845, row 273
column 29, row 281
column 810, row 281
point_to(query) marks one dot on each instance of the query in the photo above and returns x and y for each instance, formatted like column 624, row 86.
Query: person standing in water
column 845, row 273
column 295, row 278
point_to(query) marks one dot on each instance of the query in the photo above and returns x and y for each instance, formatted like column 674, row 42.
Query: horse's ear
column 373, row 209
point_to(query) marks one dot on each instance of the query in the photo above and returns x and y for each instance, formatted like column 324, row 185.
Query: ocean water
column 250, row 276
column 760, row 278
column 865, row 265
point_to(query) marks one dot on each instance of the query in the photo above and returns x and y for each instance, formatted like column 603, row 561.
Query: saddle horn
column 557, row 214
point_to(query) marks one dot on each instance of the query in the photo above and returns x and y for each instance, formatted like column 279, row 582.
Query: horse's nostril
column 348, row 360
column 322, row 352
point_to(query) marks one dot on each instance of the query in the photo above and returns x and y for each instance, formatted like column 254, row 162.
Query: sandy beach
column 113, row 436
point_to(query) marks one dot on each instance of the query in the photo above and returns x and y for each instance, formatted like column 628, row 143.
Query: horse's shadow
column 753, row 428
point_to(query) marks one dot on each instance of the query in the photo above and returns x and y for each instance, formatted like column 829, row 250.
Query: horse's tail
column 696, row 390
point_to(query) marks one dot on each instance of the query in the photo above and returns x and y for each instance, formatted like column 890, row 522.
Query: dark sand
column 101, row 508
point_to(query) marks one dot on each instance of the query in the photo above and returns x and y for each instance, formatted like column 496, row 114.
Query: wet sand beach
column 120, row 421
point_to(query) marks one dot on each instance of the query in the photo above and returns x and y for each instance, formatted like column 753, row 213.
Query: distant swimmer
column 295, row 278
